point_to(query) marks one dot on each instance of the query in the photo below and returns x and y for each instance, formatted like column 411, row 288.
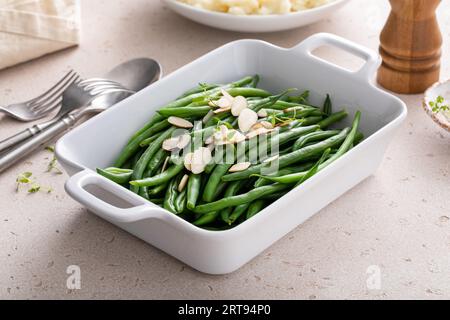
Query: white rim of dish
column 440, row 119
column 254, row 16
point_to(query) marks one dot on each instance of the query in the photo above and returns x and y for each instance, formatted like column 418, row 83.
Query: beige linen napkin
column 33, row 28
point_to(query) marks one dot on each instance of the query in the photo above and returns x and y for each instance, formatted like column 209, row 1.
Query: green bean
column 180, row 202
column 158, row 189
column 311, row 120
column 185, row 112
column 248, row 92
column 316, row 167
column 200, row 88
column 120, row 176
column 254, row 208
column 193, row 190
column 157, row 201
column 254, row 82
column 312, row 137
column 149, row 141
column 301, row 112
column 237, row 213
column 136, row 158
column 214, row 180
column 232, row 189
column 346, row 146
column 189, row 99
column 294, row 157
column 294, row 133
column 154, row 164
column 358, row 138
column 154, row 120
column 145, row 158
column 252, row 195
column 303, row 98
column 159, row 179
column 335, row 117
column 328, row 106
column 134, row 145
column 283, row 172
column 171, row 195
column 206, row 219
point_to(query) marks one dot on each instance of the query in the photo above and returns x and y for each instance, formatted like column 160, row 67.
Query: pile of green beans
column 218, row 199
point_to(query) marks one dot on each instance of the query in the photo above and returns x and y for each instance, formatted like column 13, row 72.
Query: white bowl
column 255, row 23
column 438, row 89
column 96, row 144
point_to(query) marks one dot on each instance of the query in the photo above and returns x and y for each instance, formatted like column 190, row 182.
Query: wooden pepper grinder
column 411, row 47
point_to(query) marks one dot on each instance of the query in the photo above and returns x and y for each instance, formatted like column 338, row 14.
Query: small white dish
column 255, row 23
column 439, row 89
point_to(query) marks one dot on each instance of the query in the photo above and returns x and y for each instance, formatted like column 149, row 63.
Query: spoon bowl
column 442, row 89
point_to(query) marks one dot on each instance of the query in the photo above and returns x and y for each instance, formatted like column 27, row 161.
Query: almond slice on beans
column 180, row 122
column 247, row 119
column 166, row 163
column 222, row 110
column 188, row 161
column 183, row 183
column 183, row 141
column 226, row 95
column 200, row 159
column 262, row 113
column 239, row 104
column 267, row 124
column 240, row 167
column 170, row 144
column 257, row 132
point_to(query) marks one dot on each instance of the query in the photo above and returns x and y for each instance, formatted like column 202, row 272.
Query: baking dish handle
column 372, row 59
column 140, row 210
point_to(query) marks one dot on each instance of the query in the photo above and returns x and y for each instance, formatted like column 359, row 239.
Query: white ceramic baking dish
column 97, row 143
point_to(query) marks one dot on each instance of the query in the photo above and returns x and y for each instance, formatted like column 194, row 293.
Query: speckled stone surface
column 397, row 220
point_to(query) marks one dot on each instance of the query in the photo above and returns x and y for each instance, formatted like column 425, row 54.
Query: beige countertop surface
column 396, row 222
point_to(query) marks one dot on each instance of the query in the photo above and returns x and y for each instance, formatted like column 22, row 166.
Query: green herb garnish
column 438, row 105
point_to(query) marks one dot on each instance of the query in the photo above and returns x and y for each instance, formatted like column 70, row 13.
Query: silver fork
column 41, row 106
column 94, row 86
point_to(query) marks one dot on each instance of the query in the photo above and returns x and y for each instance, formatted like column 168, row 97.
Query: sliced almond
column 262, row 113
column 257, row 126
column 222, row 110
column 247, row 119
column 180, row 122
column 238, row 105
column 257, row 132
column 210, row 140
column 200, row 159
column 227, row 96
column 188, row 161
column 238, row 137
column 170, row 144
column 240, row 167
column 183, row 141
column 183, row 183
column 166, row 163
column 267, row 124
